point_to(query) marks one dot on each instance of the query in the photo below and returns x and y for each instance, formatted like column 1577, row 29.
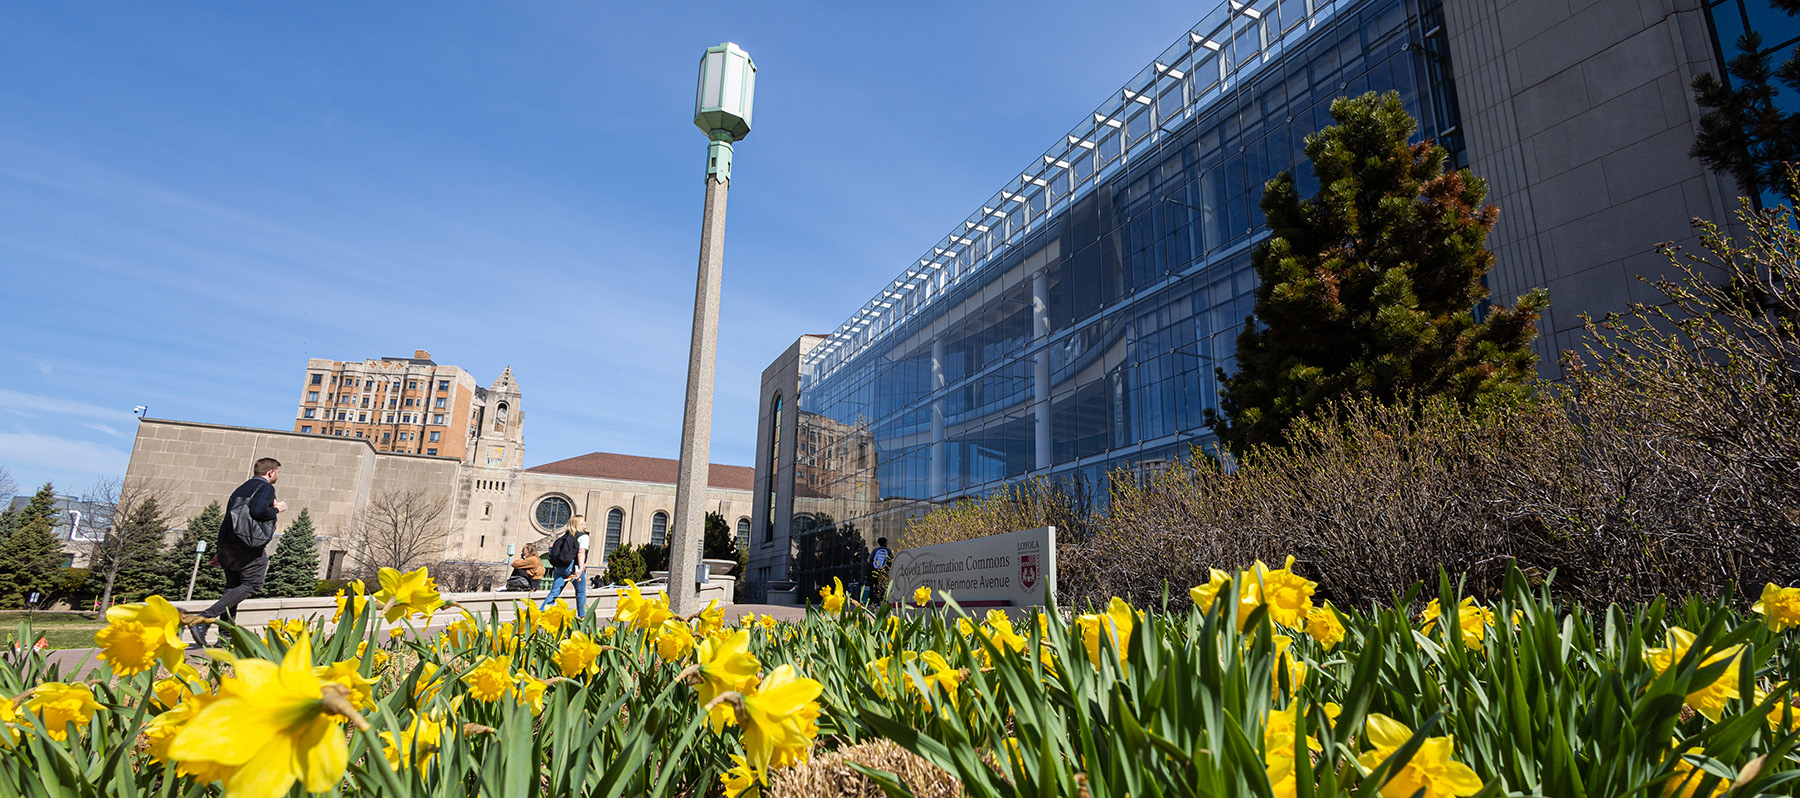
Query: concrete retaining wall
column 256, row 613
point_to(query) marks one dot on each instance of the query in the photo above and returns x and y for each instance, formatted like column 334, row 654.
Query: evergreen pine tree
column 720, row 543
column 9, row 522
column 625, row 562
column 136, row 541
column 1743, row 132
column 209, row 583
column 294, row 567
column 31, row 558
column 1372, row 285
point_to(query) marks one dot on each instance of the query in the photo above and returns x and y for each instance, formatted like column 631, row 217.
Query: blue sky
column 196, row 198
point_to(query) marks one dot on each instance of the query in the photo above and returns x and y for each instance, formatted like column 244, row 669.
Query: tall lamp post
column 722, row 112
column 194, row 575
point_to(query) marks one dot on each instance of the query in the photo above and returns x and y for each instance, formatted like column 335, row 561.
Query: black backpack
column 562, row 552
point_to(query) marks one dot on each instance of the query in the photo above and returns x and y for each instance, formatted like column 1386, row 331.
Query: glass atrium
column 1073, row 323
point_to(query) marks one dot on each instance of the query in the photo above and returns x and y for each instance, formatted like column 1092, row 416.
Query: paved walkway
column 75, row 663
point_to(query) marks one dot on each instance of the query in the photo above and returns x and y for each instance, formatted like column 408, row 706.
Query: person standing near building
column 568, row 559
column 244, row 536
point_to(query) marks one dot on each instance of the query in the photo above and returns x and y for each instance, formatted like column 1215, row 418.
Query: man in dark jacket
column 245, row 566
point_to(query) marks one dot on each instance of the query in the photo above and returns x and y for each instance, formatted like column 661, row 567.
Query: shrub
column 625, row 563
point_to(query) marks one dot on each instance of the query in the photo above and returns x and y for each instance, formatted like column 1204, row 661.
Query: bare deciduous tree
column 463, row 577
column 401, row 529
column 8, row 488
column 135, row 519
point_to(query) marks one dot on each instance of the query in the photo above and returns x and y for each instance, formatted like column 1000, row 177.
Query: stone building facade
column 491, row 504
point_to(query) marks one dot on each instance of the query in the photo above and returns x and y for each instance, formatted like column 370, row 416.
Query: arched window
column 552, row 513
column 774, row 463
column 659, row 528
column 615, row 526
column 487, row 510
column 500, row 418
column 743, row 534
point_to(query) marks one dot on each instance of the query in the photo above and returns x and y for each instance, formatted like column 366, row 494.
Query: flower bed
column 1257, row 691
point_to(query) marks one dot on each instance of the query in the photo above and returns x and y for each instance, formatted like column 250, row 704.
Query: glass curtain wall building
column 1073, row 323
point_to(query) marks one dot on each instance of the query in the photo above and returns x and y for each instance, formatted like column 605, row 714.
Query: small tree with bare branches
column 402, row 529
column 137, row 520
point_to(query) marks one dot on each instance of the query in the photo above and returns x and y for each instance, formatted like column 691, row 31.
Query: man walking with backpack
column 878, row 571
column 568, row 559
column 244, row 535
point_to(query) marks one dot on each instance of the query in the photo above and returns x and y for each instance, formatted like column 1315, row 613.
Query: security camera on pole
column 722, row 111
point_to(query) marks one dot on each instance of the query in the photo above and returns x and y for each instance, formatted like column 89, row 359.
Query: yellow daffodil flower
column 1324, row 625
column 768, row 623
column 640, row 612
column 832, row 597
column 1117, row 622
column 740, row 780
column 942, row 676
column 1473, row 620
column 411, row 593
column 60, row 704
column 353, row 601
column 272, row 727
column 1687, row 779
column 378, row 660
column 1779, row 606
column 674, row 640
column 780, row 720
column 1278, row 746
column 138, row 636
column 922, row 596
column 464, row 632
column 1710, row 699
column 1431, row 768
column 880, row 674
column 1295, row 667
column 184, row 682
column 9, row 718
column 417, row 745
column 531, row 692
column 1287, row 595
column 711, row 619
column 554, row 620
column 725, row 665
column 427, row 685
column 349, row 674
column 578, row 654
column 491, row 680
column 1203, row 596
column 1781, row 709
column 999, row 629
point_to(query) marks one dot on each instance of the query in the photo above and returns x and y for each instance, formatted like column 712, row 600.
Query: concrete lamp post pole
column 722, row 111
column 194, row 575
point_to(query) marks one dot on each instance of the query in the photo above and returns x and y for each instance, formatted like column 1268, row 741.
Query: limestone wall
column 193, row 464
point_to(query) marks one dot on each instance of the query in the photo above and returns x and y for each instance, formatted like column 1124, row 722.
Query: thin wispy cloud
column 193, row 201
column 30, row 404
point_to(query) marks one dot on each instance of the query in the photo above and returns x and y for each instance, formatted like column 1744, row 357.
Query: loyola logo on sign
column 1028, row 570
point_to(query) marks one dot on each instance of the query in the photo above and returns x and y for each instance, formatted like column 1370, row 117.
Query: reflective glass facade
column 1072, row 324
column 1731, row 19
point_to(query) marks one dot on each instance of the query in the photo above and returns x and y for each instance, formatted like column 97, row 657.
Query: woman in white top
column 574, row 571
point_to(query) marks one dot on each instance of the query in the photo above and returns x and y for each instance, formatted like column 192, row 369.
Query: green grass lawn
column 59, row 629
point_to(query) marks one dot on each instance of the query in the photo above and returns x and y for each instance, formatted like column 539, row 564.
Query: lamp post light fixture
column 199, row 549
column 721, row 111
